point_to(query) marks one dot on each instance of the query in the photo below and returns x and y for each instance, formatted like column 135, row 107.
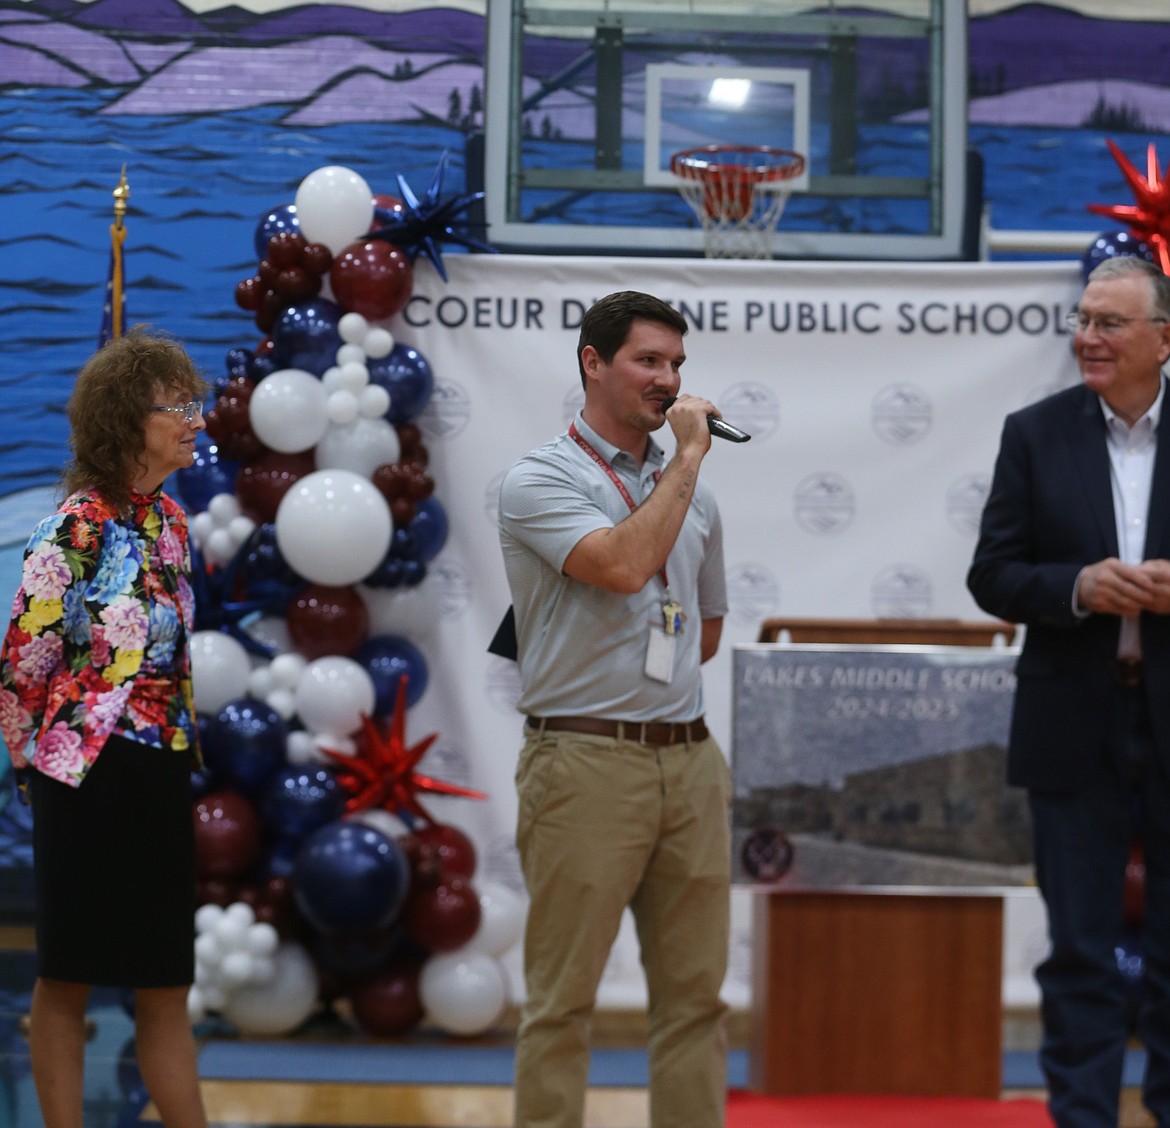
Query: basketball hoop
column 738, row 193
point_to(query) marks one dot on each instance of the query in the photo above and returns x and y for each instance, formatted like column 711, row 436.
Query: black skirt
column 114, row 865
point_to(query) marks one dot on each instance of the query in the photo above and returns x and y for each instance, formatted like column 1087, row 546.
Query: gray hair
column 1130, row 264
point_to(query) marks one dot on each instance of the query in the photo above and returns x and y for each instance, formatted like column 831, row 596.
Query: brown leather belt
column 1127, row 672
column 640, row 732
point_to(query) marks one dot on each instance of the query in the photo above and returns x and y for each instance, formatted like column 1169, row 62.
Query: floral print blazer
column 98, row 642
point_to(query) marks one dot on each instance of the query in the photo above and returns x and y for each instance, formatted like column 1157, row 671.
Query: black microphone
column 715, row 425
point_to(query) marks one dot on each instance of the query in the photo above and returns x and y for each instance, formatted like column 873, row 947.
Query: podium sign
column 875, row 766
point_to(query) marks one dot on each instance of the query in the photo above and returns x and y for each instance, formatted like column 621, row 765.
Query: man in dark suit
column 1074, row 544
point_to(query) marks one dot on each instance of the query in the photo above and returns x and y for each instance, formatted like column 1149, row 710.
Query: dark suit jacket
column 1050, row 513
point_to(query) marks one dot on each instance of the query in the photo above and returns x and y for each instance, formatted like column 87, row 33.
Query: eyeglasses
column 1107, row 324
column 190, row 411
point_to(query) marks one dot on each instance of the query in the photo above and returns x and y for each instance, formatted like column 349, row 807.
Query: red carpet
column 750, row 1110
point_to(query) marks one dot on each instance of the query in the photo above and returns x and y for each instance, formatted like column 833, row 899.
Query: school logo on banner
column 447, row 411
column 753, row 592
column 901, row 591
column 901, row 414
column 966, row 497
column 824, row 503
column 752, row 408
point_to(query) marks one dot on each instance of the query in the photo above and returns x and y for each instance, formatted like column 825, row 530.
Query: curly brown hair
column 111, row 400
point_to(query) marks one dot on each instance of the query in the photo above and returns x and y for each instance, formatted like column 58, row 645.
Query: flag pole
column 117, row 239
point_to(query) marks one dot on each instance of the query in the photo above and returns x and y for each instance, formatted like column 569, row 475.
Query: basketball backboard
column 586, row 100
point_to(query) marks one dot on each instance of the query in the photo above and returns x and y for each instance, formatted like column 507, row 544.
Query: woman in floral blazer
column 97, row 713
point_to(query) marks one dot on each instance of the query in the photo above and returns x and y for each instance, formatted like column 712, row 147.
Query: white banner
column 874, row 393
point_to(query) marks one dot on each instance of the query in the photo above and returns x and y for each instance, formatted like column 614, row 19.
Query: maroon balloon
column 227, row 835
column 455, row 850
column 248, row 294
column 215, row 891
column 265, row 479
column 286, row 248
column 327, row 620
column 389, row 1004
column 442, row 917
column 228, row 422
column 273, row 904
column 318, row 258
column 373, row 279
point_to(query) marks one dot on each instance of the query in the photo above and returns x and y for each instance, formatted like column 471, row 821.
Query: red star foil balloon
column 1149, row 218
column 382, row 773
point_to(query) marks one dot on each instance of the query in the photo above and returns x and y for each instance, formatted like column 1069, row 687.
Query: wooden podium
column 876, row 992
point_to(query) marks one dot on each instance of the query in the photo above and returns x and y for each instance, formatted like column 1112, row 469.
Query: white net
column 738, row 195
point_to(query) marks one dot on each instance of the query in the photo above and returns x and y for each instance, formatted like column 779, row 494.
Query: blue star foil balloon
column 223, row 603
column 423, row 224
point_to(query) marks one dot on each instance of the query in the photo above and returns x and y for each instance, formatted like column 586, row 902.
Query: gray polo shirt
column 582, row 650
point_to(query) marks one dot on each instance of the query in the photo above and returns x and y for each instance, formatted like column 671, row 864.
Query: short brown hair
column 111, row 400
column 606, row 324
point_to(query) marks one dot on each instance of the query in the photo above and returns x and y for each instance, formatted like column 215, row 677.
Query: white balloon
column 206, row 916
column 223, row 507
column 286, row 669
column 331, row 379
column 219, row 669
column 288, row 410
column 262, row 939
column 343, row 407
column 334, row 206
column 352, row 328
column 283, row 702
column 240, row 913
column 281, row 1004
column 271, row 631
column 237, row 969
column 301, row 748
column 333, row 694
column 207, row 950
column 214, row 996
column 196, row 1007
column 464, row 992
column 241, row 528
column 411, row 612
column 260, row 683
column 381, row 821
column 220, row 547
column 501, row 919
column 352, row 359
column 333, row 527
column 374, row 401
column 378, row 342
column 361, row 446
column 202, row 525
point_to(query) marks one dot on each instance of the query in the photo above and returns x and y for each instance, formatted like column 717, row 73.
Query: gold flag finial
column 121, row 196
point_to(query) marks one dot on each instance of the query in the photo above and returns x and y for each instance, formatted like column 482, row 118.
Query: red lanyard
column 587, row 447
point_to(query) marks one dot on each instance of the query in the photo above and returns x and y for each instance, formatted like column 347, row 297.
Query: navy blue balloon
column 245, row 744
column 407, row 376
column 429, row 527
column 259, row 367
column 1115, row 244
column 209, row 474
column 386, row 658
column 402, row 544
column 305, row 336
column 350, row 878
column 390, row 573
column 355, row 956
column 281, row 218
column 413, row 572
column 237, row 362
column 300, row 799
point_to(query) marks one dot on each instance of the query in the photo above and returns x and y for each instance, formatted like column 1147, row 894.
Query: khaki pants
column 604, row 824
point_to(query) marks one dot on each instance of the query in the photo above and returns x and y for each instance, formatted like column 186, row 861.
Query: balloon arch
column 322, row 877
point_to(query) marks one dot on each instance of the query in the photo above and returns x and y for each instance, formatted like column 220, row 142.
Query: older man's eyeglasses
column 190, row 411
column 1107, row 324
